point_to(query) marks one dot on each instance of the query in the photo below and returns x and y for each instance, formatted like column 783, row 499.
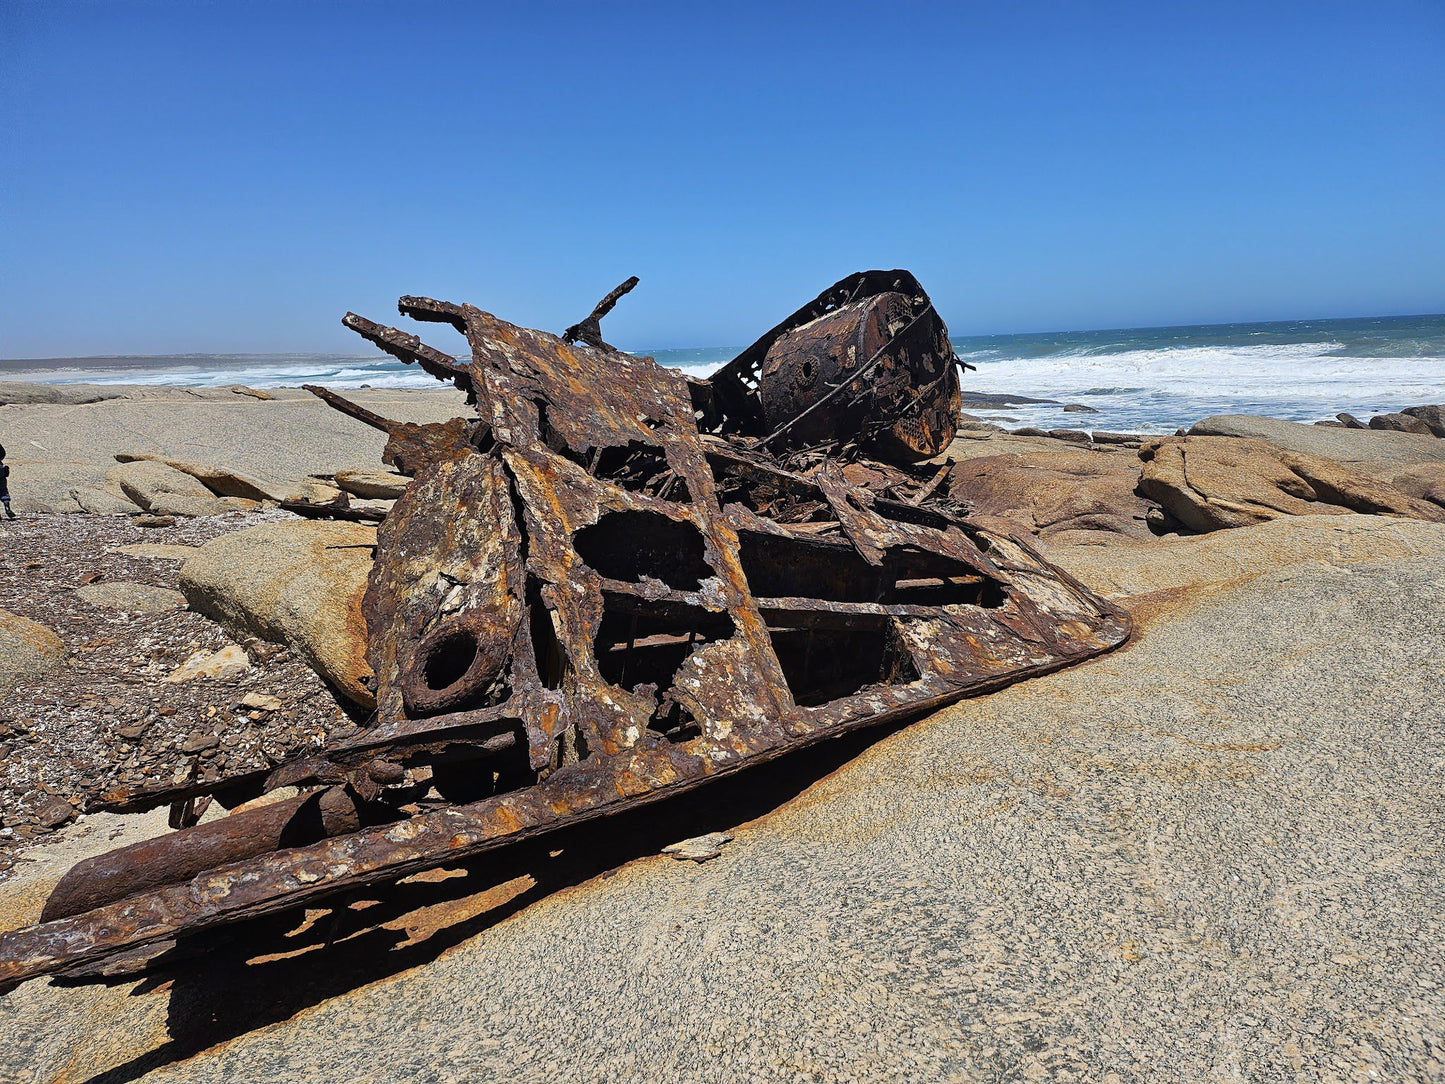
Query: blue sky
column 209, row 176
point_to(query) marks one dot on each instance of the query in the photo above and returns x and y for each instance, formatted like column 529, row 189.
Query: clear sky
column 233, row 176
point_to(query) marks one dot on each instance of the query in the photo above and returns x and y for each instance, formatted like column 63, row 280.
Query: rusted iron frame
column 411, row 350
column 594, row 787
column 308, row 874
column 589, row 329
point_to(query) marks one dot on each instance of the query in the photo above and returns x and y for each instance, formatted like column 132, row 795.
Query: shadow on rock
column 224, row 985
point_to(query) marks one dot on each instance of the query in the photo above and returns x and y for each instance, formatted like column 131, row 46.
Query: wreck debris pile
column 610, row 585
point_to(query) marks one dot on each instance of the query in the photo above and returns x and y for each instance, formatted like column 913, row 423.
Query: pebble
column 54, row 812
column 699, row 848
column 198, row 741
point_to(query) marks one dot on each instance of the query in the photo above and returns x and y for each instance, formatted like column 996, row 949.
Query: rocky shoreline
column 164, row 619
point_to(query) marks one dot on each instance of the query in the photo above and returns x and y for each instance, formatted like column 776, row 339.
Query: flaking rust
column 612, row 585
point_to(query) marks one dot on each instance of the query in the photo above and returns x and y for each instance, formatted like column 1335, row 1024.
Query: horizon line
column 646, row 352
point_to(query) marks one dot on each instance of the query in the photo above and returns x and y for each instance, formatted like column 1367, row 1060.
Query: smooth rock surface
column 221, row 482
column 28, row 650
column 294, row 582
column 1214, row 483
column 60, row 437
column 1052, row 492
column 144, row 482
column 136, row 598
column 176, row 504
column 372, row 484
column 1378, row 453
column 102, row 502
column 1130, row 569
column 1425, row 480
column 1212, row 856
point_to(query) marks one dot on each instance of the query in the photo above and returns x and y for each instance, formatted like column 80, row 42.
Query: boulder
column 295, row 582
column 1349, row 421
column 177, row 504
column 217, row 480
column 1050, row 492
column 971, row 423
column 28, row 650
column 1433, row 416
column 1213, row 483
column 1376, row 452
column 1401, row 423
column 224, row 666
column 144, row 481
column 101, row 502
column 54, row 813
column 372, row 484
column 136, row 598
column 1426, row 481
column 314, row 491
column 1078, row 408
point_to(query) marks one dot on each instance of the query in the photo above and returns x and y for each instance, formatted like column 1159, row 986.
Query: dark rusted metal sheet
column 867, row 364
column 582, row 603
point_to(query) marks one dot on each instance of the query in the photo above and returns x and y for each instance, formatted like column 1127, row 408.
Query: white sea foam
column 1158, row 389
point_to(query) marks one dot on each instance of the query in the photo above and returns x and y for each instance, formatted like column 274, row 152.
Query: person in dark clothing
column 5, row 484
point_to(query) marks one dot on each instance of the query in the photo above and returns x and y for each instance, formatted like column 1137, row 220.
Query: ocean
column 1147, row 380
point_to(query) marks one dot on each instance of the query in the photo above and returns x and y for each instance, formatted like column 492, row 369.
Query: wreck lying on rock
column 609, row 585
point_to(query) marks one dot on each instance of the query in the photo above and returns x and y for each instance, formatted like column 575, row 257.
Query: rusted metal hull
column 867, row 364
column 583, row 603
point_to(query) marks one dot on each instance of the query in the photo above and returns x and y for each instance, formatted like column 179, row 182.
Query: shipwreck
column 605, row 585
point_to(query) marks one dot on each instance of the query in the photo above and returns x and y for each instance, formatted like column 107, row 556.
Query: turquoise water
column 1141, row 379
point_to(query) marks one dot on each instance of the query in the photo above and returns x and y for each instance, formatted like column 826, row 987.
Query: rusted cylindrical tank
column 869, row 369
column 179, row 856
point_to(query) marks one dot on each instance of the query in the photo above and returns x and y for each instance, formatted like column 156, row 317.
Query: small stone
column 54, row 812
column 699, row 848
column 260, row 702
column 226, row 665
column 154, row 521
column 198, row 741
column 133, row 732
